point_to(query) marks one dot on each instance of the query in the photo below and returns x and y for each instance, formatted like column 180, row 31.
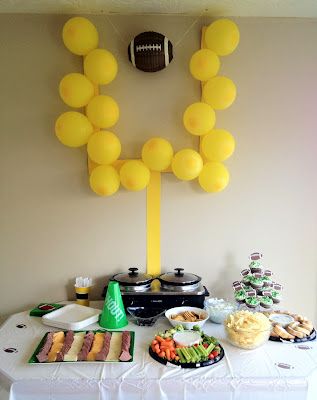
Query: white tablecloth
column 242, row 374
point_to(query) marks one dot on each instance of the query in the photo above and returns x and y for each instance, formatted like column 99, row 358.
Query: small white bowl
column 186, row 325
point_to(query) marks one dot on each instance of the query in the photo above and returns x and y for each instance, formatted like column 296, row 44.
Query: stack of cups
column 113, row 315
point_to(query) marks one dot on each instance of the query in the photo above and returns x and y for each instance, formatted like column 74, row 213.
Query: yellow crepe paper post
column 153, row 224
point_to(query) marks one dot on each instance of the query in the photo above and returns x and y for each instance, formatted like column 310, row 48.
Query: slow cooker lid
column 133, row 278
column 179, row 278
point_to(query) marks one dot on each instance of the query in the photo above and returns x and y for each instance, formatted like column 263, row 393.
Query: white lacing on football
column 146, row 47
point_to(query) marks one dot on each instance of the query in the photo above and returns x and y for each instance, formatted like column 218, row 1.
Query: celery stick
column 186, row 354
column 203, row 350
column 210, row 348
column 199, row 357
column 180, row 355
column 193, row 354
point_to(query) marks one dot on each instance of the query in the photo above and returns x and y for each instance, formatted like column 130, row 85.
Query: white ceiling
column 238, row 8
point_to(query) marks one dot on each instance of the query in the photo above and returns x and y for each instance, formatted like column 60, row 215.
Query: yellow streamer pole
column 153, row 224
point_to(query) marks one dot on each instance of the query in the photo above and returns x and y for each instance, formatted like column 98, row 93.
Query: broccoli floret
column 179, row 327
column 196, row 328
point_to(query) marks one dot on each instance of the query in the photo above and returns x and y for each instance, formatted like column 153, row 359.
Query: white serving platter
column 72, row 317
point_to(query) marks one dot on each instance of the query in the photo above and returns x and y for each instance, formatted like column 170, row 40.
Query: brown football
column 150, row 51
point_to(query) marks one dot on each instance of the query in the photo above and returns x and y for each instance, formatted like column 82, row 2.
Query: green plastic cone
column 113, row 315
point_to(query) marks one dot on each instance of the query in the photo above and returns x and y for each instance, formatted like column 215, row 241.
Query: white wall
column 54, row 228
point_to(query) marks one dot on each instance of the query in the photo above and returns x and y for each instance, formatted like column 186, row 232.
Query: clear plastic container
column 145, row 316
column 219, row 309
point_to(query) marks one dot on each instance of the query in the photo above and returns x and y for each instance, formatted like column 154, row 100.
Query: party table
column 273, row 371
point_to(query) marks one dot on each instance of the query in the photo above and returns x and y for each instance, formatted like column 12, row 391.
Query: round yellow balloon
column 104, row 147
column 104, row 180
column 204, row 64
column 157, row 154
column 187, row 164
column 80, row 36
column 222, row 36
column 102, row 111
column 199, row 118
column 76, row 90
column 218, row 145
column 100, row 66
column 219, row 92
column 134, row 175
column 73, row 129
column 214, row 177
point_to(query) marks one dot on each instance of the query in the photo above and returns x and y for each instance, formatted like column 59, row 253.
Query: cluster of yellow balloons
column 75, row 129
column 218, row 93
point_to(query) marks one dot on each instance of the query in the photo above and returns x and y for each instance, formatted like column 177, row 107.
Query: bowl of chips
column 188, row 317
column 247, row 330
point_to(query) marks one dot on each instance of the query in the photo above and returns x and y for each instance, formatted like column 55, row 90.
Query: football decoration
column 150, row 51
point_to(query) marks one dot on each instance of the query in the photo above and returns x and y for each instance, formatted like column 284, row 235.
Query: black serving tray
column 164, row 361
column 312, row 336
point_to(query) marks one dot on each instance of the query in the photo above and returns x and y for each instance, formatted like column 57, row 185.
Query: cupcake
column 276, row 296
column 246, row 287
column 256, row 283
column 267, row 272
column 246, row 279
column 252, row 302
column 239, row 296
column 255, row 266
column 266, row 302
column 245, row 272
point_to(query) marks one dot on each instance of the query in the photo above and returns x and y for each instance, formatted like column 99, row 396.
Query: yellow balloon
column 80, row 36
column 73, row 129
column 219, row 92
column 222, row 36
column 104, row 180
column 100, row 66
column 103, row 111
column 214, row 177
column 104, row 147
column 187, row 164
column 157, row 154
column 199, row 118
column 204, row 64
column 134, row 175
column 76, row 90
column 218, row 145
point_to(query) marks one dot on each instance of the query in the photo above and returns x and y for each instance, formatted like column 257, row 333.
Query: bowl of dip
column 281, row 319
column 219, row 309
